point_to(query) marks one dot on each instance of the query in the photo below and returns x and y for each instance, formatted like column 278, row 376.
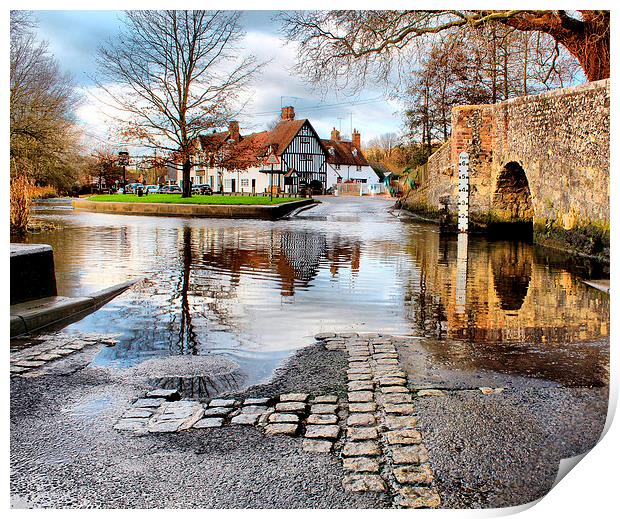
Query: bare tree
column 175, row 75
column 484, row 65
column 43, row 137
column 344, row 46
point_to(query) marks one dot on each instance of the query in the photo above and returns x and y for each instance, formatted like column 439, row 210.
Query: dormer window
column 331, row 150
column 354, row 152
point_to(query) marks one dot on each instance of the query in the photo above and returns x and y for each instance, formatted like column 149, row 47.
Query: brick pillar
column 288, row 113
column 356, row 139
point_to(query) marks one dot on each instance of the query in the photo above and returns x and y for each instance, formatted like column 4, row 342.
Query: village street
column 490, row 417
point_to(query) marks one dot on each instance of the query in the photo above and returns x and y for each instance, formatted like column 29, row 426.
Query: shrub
column 20, row 195
column 43, row 192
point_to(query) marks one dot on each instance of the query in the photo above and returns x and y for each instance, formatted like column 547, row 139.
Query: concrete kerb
column 35, row 315
column 260, row 212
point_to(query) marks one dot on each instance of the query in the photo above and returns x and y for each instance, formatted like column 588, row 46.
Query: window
column 358, row 168
column 306, row 158
column 245, row 182
column 337, row 166
column 228, row 182
column 332, row 151
column 305, row 142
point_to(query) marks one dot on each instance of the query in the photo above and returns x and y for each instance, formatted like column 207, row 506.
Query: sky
column 75, row 36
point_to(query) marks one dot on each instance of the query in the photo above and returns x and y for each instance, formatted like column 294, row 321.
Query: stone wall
column 438, row 182
column 560, row 141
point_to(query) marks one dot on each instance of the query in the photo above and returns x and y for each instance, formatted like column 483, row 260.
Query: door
column 233, row 186
column 253, row 185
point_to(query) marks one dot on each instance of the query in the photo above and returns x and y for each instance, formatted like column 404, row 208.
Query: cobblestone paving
column 32, row 360
column 373, row 432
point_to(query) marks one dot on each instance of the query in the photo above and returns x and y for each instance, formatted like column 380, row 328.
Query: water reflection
column 201, row 386
column 255, row 291
column 495, row 291
column 511, row 265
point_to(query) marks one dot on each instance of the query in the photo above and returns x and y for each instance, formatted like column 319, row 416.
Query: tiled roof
column 343, row 153
column 280, row 137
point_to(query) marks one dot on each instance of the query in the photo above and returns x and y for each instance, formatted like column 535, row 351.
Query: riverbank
column 253, row 207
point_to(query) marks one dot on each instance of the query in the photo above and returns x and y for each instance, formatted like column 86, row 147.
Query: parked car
column 151, row 188
column 202, row 189
column 172, row 189
column 133, row 187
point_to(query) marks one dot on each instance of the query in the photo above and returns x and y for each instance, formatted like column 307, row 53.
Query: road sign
column 272, row 160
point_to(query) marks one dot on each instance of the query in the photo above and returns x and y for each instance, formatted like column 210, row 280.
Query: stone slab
column 402, row 409
column 281, row 428
column 208, row 423
column 291, row 407
column 360, row 464
column 223, row 402
column 245, row 419
column 322, row 431
column 283, row 418
column 323, row 408
column 409, row 455
column 360, row 385
column 322, row 419
column 217, row 411
column 395, row 422
column 418, row 497
column 404, row 437
column 294, row 397
column 361, row 420
column 325, row 399
column 148, row 402
column 360, row 396
column 414, row 475
column 362, row 448
column 362, row 433
column 362, row 407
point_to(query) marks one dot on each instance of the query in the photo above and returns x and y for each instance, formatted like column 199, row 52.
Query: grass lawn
column 194, row 199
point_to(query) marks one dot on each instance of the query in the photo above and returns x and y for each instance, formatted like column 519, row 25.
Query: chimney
column 356, row 140
column 288, row 113
column 233, row 129
column 335, row 134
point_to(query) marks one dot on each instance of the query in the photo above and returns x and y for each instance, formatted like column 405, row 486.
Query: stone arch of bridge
column 512, row 198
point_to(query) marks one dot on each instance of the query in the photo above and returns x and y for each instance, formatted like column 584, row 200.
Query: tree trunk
column 187, row 188
column 588, row 39
column 592, row 52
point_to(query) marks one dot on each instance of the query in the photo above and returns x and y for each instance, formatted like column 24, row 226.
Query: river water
column 255, row 291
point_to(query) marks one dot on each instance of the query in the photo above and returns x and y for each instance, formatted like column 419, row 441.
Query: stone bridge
column 538, row 163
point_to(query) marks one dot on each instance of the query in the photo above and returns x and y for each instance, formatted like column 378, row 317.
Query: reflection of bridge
column 540, row 160
column 478, row 290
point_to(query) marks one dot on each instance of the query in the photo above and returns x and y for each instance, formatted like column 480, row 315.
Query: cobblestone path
column 32, row 360
column 373, row 431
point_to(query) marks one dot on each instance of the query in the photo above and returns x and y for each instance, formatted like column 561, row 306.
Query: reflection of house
column 296, row 257
column 346, row 162
column 231, row 162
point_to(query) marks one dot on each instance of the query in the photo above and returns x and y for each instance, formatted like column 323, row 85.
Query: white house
column 346, row 164
column 233, row 163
